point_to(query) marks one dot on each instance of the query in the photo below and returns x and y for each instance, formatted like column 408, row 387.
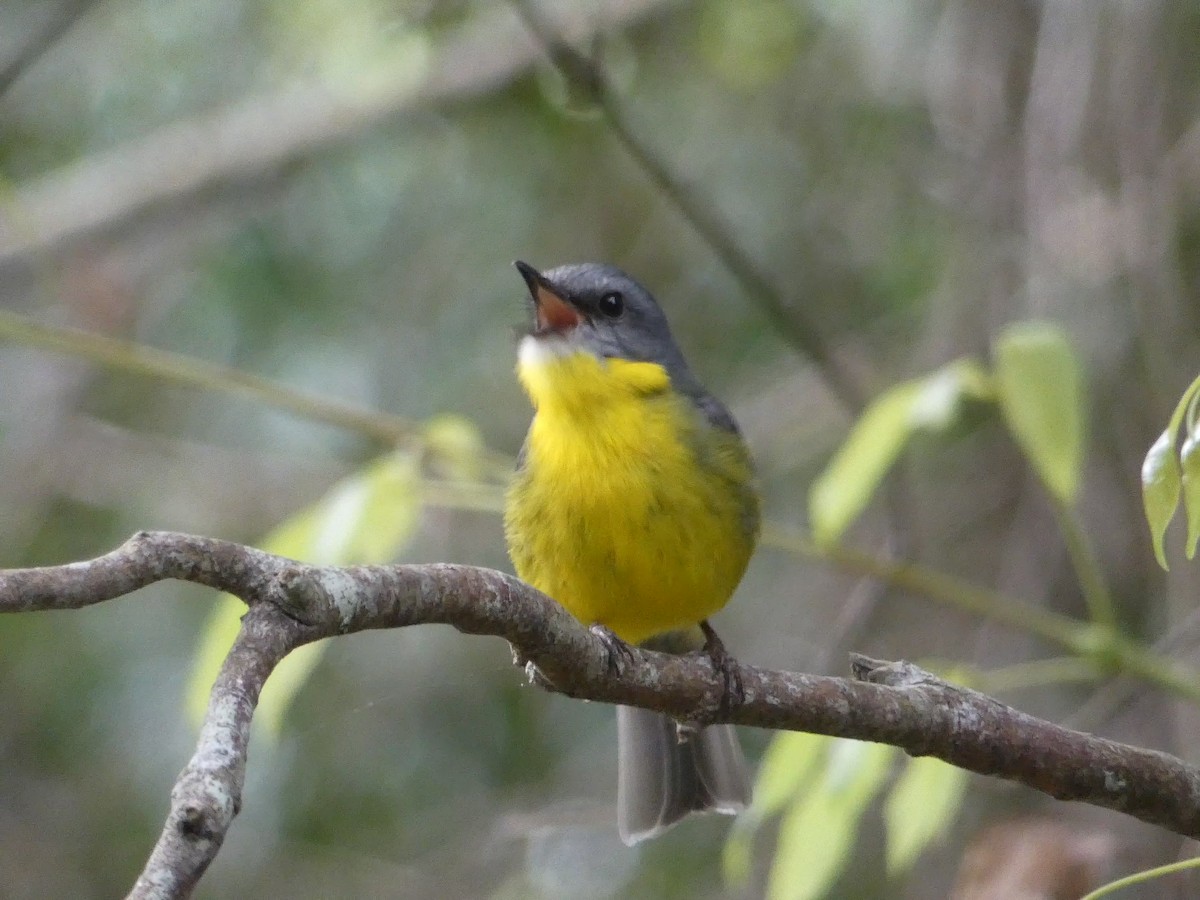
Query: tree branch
column 292, row 604
column 208, row 792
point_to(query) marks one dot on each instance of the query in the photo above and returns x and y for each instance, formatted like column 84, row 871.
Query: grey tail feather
column 665, row 774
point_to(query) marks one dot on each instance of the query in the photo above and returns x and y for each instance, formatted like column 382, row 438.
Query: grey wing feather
column 716, row 413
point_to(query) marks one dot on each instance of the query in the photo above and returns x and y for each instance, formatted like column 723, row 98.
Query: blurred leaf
column 1163, row 476
column 737, row 854
column 359, row 48
column 752, row 42
column 954, row 671
column 938, row 402
column 790, row 760
column 843, row 490
column 789, row 763
column 455, row 447
column 365, row 518
column 213, row 646
column 1041, row 394
column 1161, row 480
column 922, row 804
column 387, row 501
column 1189, row 463
column 819, row 830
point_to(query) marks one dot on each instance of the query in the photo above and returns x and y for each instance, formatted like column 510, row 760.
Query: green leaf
column 922, row 804
column 939, row 399
column 389, row 507
column 213, row 646
column 843, row 490
column 455, row 447
column 1162, row 475
column 790, row 762
column 1189, row 462
column 365, row 518
column 1161, row 481
column 818, row 832
column 1040, row 388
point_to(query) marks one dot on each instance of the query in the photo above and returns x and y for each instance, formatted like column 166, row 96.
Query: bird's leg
column 726, row 666
column 616, row 650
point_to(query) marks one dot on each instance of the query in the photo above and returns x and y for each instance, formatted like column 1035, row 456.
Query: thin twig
column 190, row 371
column 1080, row 638
column 791, row 321
column 207, row 794
column 1095, row 590
column 135, row 358
column 261, row 134
column 60, row 23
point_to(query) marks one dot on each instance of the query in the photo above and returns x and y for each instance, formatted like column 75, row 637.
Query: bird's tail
column 665, row 773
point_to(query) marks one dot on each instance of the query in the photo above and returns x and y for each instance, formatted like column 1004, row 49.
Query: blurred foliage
column 1039, row 387
column 848, row 484
column 365, row 519
column 327, row 194
column 1172, row 469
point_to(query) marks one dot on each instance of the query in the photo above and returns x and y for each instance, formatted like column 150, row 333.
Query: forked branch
column 293, row 604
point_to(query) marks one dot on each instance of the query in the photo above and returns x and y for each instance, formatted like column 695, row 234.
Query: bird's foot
column 617, row 652
column 726, row 666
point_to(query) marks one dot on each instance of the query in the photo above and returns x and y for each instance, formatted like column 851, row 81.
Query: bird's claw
column 617, row 652
column 734, row 693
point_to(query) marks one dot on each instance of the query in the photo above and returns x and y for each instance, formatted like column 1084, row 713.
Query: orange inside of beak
column 554, row 313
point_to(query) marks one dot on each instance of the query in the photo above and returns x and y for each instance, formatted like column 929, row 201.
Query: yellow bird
column 634, row 506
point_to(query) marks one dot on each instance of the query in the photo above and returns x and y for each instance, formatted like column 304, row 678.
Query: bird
column 634, row 505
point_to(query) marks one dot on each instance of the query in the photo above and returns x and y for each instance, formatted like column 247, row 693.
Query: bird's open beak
column 552, row 311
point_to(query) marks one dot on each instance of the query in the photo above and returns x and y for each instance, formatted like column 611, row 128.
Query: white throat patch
column 540, row 349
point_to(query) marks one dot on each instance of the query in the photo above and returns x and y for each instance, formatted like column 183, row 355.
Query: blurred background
column 329, row 193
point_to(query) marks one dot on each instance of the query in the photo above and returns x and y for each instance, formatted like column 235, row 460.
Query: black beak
column 554, row 313
column 533, row 278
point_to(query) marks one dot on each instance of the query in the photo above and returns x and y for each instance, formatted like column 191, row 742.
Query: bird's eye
column 612, row 305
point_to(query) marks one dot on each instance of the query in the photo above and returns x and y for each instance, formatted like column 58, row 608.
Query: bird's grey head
column 598, row 308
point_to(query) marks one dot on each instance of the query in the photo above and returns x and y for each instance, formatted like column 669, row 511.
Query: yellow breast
column 630, row 509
